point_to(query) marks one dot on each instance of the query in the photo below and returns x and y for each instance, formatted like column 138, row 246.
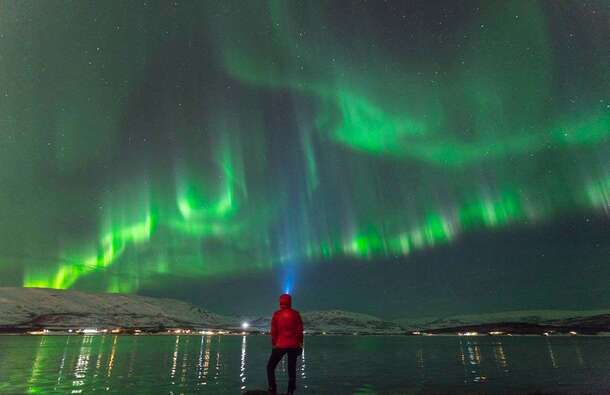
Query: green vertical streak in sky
column 437, row 229
column 117, row 284
column 491, row 211
column 311, row 166
column 598, row 193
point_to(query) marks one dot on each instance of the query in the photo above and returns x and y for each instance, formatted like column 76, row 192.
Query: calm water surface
column 330, row 364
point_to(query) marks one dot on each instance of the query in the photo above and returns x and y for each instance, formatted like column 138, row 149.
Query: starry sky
column 398, row 158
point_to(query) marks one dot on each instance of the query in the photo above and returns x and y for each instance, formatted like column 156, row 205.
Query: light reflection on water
column 242, row 369
column 348, row 364
column 500, row 356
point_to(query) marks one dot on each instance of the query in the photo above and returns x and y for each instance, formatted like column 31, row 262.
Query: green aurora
column 141, row 141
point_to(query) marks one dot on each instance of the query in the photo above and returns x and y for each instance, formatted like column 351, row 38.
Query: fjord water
column 330, row 364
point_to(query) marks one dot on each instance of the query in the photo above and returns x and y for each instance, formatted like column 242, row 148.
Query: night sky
column 415, row 158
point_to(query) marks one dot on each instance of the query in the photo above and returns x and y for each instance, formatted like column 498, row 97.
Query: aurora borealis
column 172, row 148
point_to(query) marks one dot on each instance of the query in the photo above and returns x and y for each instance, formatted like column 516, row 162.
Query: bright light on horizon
column 245, row 325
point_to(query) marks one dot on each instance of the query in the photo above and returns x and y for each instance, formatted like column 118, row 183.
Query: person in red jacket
column 286, row 338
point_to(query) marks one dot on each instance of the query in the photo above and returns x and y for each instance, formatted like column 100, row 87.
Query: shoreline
column 199, row 334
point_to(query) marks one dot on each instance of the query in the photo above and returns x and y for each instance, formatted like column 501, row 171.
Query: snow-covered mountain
column 337, row 321
column 24, row 309
column 27, row 308
column 563, row 318
column 345, row 321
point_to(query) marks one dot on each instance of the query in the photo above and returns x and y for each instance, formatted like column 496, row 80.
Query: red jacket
column 286, row 325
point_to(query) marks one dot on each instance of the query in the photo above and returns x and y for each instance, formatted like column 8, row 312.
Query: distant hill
column 528, row 321
column 338, row 321
column 27, row 308
column 344, row 321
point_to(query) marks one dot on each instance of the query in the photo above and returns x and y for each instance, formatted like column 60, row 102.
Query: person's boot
column 272, row 391
column 290, row 392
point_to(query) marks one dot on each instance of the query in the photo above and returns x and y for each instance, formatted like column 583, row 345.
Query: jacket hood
column 285, row 301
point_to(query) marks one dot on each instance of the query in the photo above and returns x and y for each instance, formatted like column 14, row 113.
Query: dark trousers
column 276, row 356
